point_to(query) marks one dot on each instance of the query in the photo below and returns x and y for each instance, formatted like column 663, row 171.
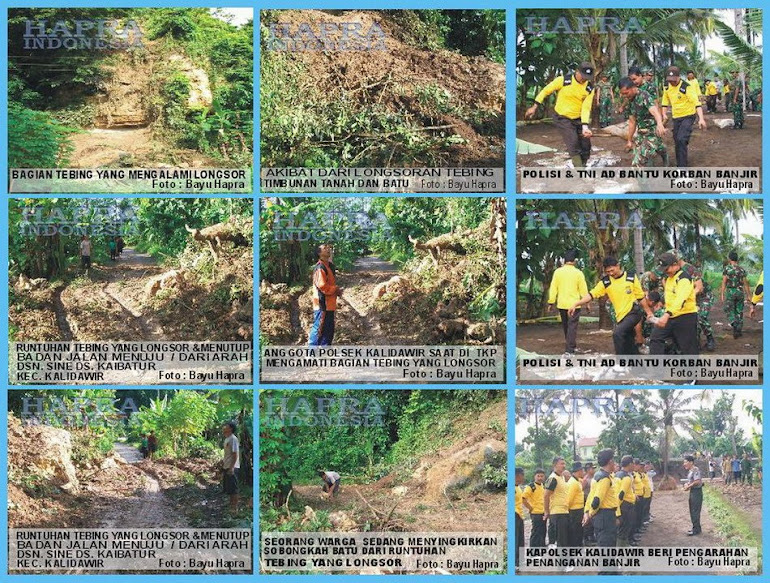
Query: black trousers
column 560, row 524
column 711, row 103
column 570, row 325
column 624, row 336
column 606, row 530
column 571, row 131
column 696, row 502
column 627, row 521
column 537, row 535
column 682, row 132
column 576, row 528
column 519, row 536
column 683, row 329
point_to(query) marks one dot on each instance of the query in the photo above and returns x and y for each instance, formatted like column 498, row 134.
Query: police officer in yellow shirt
column 680, row 320
column 639, row 505
column 572, row 113
column 556, row 504
column 682, row 97
column 603, row 503
column 519, row 528
column 533, row 500
column 647, row 495
column 576, row 503
column 759, row 294
column 627, row 499
column 625, row 292
column 568, row 285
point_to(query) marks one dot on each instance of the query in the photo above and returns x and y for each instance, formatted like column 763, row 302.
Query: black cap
column 588, row 465
column 604, row 457
column 587, row 70
column 576, row 466
column 672, row 72
column 689, row 458
column 667, row 259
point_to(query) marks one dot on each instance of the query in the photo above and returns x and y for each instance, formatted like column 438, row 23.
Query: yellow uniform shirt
column 681, row 98
column 759, row 291
column 680, row 295
column 591, row 493
column 559, row 492
column 568, row 285
column 638, row 486
column 647, row 493
column 533, row 494
column 711, row 89
column 574, row 99
column 726, row 88
column 604, row 496
column 575, row 494
column 694, row 82
column 519, row 505
column 627, row 487
column 623, row 292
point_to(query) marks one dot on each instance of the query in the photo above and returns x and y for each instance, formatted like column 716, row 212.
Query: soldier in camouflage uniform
column 606, row 101
column 735, row 290
column 738, row 105
column 645, row 125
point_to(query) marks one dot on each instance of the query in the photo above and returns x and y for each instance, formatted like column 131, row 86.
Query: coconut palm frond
column 749, row 56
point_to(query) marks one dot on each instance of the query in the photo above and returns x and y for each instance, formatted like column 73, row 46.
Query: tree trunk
column 698, row 260
column 638, row 251
column 623, row 54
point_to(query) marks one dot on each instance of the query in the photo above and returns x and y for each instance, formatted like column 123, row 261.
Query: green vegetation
column 702, row 231
column 55, row 93
column 731, row 523
column 410, row 424
column 323, row 114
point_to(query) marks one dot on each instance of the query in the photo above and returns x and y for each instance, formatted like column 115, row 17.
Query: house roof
column 587, row 441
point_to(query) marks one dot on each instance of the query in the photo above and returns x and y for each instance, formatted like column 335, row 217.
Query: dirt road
column 105, row 305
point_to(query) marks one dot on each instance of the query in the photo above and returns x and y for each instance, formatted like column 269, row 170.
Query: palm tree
column 674, row 402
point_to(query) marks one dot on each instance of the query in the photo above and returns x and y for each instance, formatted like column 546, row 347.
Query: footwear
column 693, row 533
column 710, row 344
column 568, row 355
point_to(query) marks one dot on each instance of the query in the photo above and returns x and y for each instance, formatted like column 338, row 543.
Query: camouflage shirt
column 695, row 275
column 735, row 275
column 639, row 107
column 649, row 88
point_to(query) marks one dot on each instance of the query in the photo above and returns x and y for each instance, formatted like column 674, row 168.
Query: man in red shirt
column 325, row 293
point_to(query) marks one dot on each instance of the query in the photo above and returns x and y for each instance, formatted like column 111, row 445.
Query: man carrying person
column 572, row 113
column 231, row 463
column 694, row 486
column 682, row 98
column 533, row 500
column 325, row 294
column 568, row 285
column 645, row 125
column 623, row 290
column 680, row 321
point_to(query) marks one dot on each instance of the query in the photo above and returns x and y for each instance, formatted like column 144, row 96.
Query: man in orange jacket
column 325, row 293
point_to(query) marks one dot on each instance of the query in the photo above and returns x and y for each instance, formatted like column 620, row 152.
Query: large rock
column 43, row 451
column 461, row 470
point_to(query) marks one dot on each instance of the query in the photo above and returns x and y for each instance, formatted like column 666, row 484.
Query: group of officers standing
column 607, row 507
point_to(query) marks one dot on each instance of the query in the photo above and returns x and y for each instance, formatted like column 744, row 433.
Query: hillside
column 407, row 103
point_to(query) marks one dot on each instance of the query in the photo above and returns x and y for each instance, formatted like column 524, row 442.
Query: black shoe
column 693, row 533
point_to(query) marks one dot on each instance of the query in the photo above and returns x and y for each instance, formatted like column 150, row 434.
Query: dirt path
column 148, row 506
column 107, row 147
column 106, row 305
